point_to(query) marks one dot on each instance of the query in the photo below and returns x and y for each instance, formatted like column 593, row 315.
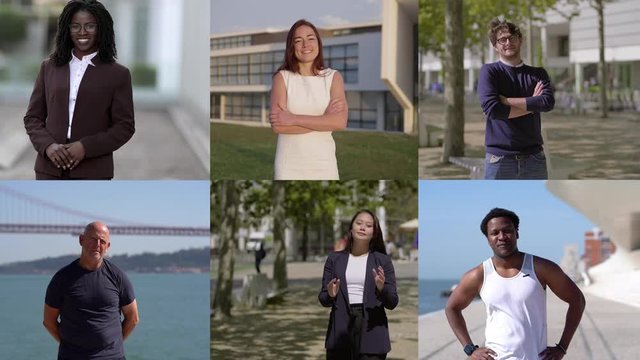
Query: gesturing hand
column 281, row 117
column 378, row 276
column 59, row 155
column 333, row 287
column 483, row 353
column 538, row 89
column 76, row 149
column 552, row 353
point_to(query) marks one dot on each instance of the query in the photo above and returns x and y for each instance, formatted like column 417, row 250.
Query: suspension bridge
column 26, row 214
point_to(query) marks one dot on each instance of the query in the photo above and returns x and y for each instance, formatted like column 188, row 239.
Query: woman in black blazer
column 358, row 284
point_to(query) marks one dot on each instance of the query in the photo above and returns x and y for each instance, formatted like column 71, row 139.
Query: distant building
column 597, row 247
column 377, row 61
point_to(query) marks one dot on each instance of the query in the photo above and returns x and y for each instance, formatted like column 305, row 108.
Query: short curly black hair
column 499, row 212
column 500, row 24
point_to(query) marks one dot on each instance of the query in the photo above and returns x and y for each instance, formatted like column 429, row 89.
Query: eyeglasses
column 511, row 38
column 88, row 27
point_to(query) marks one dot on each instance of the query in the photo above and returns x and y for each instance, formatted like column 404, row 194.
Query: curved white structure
column 614, row 206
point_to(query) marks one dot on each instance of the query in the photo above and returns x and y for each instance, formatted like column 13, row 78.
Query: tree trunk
column 305, row 239
column 227, row 234
column 602, row 66
column 454, row 81
column 280, row 262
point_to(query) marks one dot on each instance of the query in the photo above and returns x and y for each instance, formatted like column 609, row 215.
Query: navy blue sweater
column 519, row 135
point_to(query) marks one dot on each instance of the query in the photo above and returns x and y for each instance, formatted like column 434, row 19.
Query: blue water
column 174, row 317
column 429, row 294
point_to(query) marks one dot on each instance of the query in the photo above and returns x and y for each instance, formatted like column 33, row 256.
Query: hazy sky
column 450, row 213
column 177, row 203
column 243, row 15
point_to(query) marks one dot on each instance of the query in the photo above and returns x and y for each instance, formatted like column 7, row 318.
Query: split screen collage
column 365, row 179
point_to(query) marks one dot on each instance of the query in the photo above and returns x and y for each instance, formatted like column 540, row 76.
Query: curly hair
column 499, row 212
column 106, row 37
column 500, row 24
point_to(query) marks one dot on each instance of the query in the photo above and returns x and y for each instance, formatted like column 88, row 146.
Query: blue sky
column 450, row 213
column 178, row 203
column 244, row 15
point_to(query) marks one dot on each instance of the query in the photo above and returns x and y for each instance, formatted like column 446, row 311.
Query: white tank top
column 516, row 312
column 355, row 275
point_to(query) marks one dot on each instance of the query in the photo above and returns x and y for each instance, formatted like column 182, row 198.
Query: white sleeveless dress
column 516, row 312
column 310, row 156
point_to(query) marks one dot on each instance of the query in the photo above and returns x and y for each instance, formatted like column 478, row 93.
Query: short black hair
column 499, row 212
column 106, row 37
column 500, row 24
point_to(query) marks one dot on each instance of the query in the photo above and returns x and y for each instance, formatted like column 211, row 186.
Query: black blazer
column 375, row 329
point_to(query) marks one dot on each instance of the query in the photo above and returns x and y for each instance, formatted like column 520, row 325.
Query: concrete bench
column 257, row 290
column 474, row 165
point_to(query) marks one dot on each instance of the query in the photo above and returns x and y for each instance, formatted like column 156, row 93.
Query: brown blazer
column 103, row 117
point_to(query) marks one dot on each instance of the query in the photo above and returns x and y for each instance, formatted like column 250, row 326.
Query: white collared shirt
column 506, row 63
column 77, row 68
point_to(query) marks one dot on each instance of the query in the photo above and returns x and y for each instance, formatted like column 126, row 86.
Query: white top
column 356, row 274
column 310, row 156
column 516, row 312
column 77, row 68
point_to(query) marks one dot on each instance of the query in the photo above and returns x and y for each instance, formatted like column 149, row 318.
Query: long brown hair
column 290, row 61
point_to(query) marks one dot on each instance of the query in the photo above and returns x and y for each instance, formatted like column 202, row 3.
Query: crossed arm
column 285, row 122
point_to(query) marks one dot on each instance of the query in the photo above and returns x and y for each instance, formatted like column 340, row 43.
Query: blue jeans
column 515, row 167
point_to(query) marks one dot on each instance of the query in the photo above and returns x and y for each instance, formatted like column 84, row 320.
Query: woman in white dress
column 307, row 103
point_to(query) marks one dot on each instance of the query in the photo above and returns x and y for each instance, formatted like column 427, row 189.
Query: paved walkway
column 158, row 149
column 296, row 328
column 608, row 331
column 580, row 147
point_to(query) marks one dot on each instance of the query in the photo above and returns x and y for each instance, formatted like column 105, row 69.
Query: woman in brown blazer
column 81, row 107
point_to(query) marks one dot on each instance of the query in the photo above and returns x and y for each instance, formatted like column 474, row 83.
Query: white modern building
column 568, row 49
column 376, row 60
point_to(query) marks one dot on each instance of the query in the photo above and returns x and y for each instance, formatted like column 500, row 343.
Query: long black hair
column 377, row 241
column 106, row 37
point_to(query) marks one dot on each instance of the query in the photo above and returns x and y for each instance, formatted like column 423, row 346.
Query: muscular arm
column 131, row 319
column 334, row 118
column 550, row 274
column 464, row 293
column 50, row 321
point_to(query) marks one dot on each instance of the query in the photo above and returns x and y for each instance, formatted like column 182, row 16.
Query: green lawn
column 243, row 152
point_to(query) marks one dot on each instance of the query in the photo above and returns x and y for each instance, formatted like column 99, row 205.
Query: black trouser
column 355, row 336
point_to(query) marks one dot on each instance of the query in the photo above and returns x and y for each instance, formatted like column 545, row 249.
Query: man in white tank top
column 513, row 286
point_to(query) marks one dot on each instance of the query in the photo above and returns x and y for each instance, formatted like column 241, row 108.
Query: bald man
column 88, row 296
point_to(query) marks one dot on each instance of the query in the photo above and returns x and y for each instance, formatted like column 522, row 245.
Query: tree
column 225, row 194
column 13, row 26
column 279, row 220
column 453, row 81
column 598, row 5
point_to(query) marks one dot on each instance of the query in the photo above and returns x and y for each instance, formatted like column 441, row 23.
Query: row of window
column 230, row 42
column 258, row 68
column 363, row 108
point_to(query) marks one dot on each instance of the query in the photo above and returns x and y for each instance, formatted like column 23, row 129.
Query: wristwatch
column 469, row 349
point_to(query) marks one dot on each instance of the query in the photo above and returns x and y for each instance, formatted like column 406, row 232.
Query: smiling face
column 502, row 236
column 95, row 242
column 84, row 33
column 508, row 45
column 305, row 44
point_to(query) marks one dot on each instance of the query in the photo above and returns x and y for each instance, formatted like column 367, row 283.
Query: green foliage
column 143, row 75
column 13, row 26
column 477, row 14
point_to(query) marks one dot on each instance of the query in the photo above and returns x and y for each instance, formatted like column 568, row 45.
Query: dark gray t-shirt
column 89, row 304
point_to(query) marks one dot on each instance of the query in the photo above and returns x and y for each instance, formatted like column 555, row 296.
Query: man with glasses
column 81, row 107
column 512, row 96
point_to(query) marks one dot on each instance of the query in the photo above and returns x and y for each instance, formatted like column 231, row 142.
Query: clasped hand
column 66, row 156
